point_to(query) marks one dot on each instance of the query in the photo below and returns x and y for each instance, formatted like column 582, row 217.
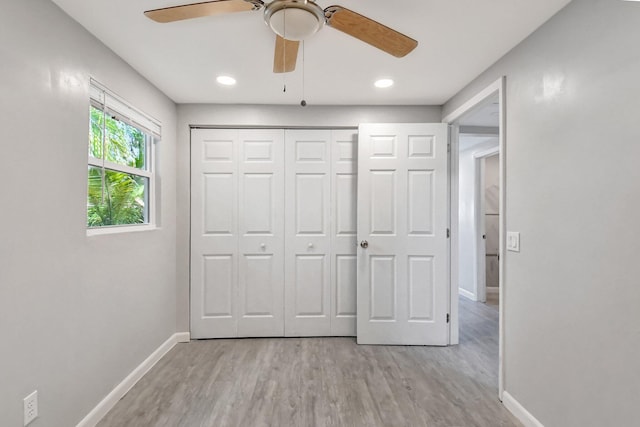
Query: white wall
column 467, row 208
column 77, row 313
column 263, row 115
column 572, row 319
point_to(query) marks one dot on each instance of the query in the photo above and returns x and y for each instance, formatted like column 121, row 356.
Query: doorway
column 478, row 134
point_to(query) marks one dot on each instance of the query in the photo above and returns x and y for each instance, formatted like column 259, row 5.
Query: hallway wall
column 572, row 181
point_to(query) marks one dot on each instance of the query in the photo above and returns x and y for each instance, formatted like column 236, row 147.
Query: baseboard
column 121, row 389
column 519, row 411
column 467, row 294
column 493, row 290
column 183, row 337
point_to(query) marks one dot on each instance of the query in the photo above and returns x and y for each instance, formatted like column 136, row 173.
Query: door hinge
column 448, row 317
column 448, row 147
column 448, row 233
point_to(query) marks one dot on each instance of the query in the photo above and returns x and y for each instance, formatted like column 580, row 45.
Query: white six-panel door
column 402, row 224
column 237, row 233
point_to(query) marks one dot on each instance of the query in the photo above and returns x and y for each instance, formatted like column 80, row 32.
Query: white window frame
column 107, row 101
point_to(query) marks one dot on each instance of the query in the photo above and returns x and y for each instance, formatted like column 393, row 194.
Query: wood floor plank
column 324, row 382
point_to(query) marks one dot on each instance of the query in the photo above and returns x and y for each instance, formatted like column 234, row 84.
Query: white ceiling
column 458, row 39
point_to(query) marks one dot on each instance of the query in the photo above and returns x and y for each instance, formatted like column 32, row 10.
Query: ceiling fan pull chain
column 284, row 55
column 304, row 101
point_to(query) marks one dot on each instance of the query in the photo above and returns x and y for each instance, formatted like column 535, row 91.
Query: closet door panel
column 344, row 149
column 261, row 232
column 308, row 234
column 273, row 233
column 214, row 233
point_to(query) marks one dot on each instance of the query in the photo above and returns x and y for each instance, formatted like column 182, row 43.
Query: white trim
column 106, row 404
column 112, row 101
column 183, row 337
column 502, row 141
column 465, row 293
column 519, row 411
column 487, row 153
column 494, row 87
column 99, row 163
column 454, row 277
column 117, row 229
column 152, row 196
column 499, row 87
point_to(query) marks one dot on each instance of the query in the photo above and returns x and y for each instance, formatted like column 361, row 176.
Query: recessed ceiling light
column 383, row 83
column 226, row 80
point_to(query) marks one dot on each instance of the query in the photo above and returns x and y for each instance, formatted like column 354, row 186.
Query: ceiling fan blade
column 286, row 55
column 197, row 10
column 369, row 31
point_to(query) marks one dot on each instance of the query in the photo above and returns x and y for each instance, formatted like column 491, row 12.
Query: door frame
column 479, row 221
column 498, row 87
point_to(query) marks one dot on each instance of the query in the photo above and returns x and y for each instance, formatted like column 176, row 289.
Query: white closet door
column 214, row 233
column 308, row 234
column 344, row 153
column 261, row 231
column 403, row 216
column 237, row 233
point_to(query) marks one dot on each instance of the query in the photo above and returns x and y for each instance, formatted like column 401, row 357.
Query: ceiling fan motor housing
column 294, row 19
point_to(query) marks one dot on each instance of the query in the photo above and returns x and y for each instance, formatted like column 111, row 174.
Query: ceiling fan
column 293, row 21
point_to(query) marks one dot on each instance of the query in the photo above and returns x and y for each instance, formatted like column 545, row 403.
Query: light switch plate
column 513, row 241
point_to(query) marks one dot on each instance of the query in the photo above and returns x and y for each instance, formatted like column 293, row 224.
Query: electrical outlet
column 30, row 407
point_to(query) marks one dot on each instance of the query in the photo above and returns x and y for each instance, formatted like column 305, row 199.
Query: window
column 120, row 168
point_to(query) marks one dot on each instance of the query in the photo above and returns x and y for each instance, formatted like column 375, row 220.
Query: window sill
column 120, row 229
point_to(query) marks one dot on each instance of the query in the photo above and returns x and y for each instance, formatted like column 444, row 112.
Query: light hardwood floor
column 310, row 382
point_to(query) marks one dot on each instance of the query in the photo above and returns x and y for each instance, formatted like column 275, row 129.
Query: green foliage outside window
column 116, row 197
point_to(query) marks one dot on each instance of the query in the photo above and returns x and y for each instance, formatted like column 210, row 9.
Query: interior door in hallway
column 403, row 262
column 237, row 233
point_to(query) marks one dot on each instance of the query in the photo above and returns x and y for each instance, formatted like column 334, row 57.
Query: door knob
column 262, row 246
column 310, row 246
column 364, row 244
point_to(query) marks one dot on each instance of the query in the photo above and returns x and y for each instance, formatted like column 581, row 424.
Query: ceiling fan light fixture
column 294, row 20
